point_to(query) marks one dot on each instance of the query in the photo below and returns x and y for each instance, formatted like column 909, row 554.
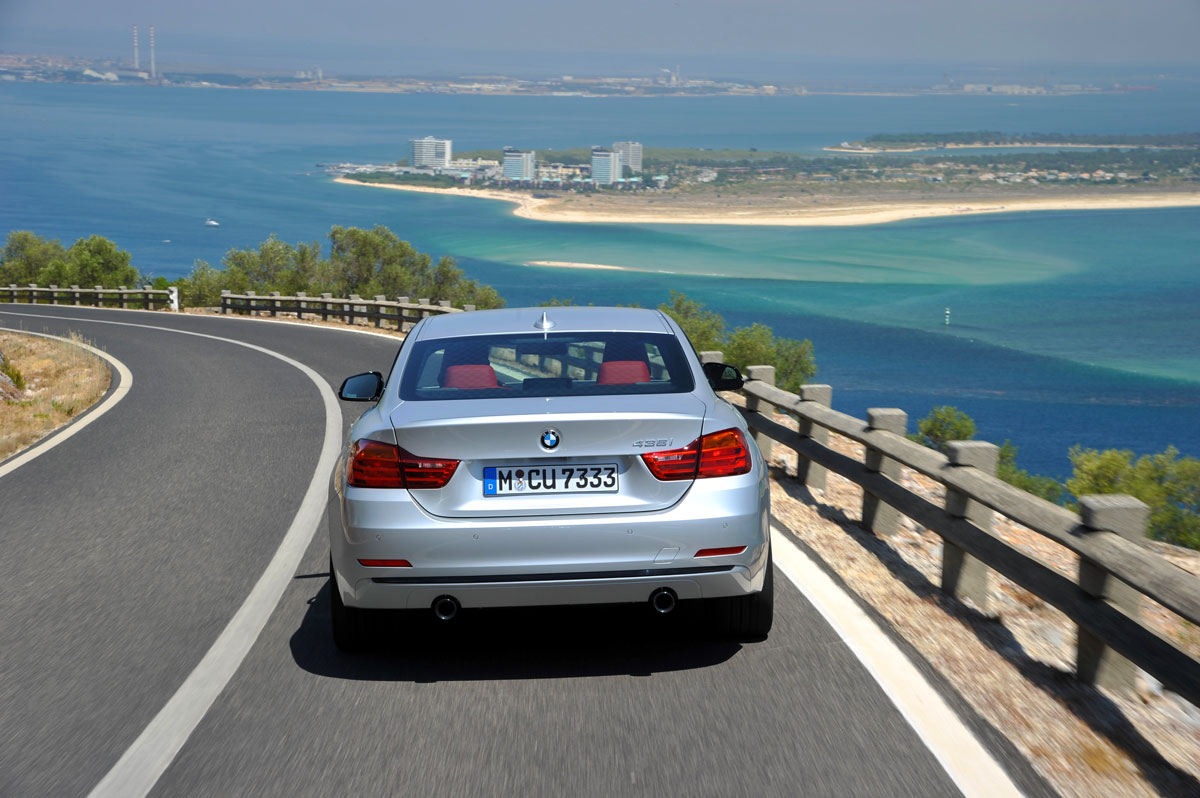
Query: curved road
column 129, row 547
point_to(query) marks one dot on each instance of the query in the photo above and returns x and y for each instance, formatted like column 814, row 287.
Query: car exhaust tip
column 662, row 600
column 445, row 607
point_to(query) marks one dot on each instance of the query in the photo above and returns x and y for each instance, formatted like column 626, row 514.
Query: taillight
column 674, row 463
column 718, row 454
column 424, row 472
column 373, row 464
column 724, row 454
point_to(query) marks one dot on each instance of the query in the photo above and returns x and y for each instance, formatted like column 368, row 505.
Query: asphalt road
column 128, row 548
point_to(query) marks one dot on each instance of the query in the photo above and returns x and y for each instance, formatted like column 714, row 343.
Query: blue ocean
column 1066, row 327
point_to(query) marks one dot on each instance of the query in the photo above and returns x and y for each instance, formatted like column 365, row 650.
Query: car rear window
column 545, row 364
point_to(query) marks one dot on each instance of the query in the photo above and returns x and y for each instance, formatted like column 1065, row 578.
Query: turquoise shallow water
column 1066, row 327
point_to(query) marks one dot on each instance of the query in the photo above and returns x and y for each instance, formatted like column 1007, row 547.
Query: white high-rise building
column 631, row 154
column 431, row 152
column 519, row 165
column 606, row 166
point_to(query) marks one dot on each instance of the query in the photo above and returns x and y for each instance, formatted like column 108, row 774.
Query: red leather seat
column 623, row 372
column 470, row 377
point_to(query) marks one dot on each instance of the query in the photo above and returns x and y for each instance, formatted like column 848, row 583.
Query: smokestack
column 153, row 71
column 136, row 63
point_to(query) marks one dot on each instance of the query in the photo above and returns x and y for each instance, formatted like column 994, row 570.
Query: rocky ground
column 1014, row 665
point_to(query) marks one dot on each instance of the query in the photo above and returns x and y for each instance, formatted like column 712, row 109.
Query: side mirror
column 723, row 377
column 362, row 387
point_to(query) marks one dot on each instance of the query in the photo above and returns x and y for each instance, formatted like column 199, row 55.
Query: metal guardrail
column 400, row 314
column 99, row 296
column 1115, row 569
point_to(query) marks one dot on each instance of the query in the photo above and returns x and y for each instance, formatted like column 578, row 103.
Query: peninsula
column 789, row 211
column 629, row 183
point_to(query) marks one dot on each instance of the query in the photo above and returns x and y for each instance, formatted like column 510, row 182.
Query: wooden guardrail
column 401, row 314
column 1116, row 569
column 121, row 297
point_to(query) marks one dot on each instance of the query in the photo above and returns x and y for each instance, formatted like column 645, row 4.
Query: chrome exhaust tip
column 445, row 607
column 662, row 600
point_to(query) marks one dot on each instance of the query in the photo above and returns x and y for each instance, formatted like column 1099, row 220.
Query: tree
column 755, row 345
column 26, row 255
column 364, row 262
column 944, row 423
column 1167, row 483
column 704, row 328
column 202, row 288
column 29, row 258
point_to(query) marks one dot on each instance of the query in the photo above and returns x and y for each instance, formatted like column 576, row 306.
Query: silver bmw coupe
column 549, row 456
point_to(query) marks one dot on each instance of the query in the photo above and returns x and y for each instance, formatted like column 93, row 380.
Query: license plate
column 587, row 478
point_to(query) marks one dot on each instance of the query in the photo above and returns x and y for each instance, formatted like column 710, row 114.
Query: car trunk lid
column 526, row 456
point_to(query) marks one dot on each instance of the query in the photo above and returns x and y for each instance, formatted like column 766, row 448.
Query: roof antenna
column 544, row 323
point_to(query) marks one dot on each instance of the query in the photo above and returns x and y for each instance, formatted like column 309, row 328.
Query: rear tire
column 346, row 623
column 750, row 616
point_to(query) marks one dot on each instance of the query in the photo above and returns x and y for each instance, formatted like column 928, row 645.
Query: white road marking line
column 139, row 768
column 124, row 382
column 969, row 765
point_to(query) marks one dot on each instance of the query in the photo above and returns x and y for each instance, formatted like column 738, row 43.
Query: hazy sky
column 402, row 33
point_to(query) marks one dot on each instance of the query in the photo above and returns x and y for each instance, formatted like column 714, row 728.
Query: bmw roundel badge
column 550, row 439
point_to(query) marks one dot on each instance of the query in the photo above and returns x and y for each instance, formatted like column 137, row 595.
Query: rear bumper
column 736, row 580
column 543, row 561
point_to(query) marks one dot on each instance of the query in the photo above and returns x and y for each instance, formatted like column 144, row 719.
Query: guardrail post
column 379, row 310
column 711, row 356
column 764, row 374
column 274, row 307
column 122, row 297
column 468, row 308
column 301, row 304
column 225, row 300
column 53, row 294
column 351, row 310
column 877, row 517
column 1096, row 663
column 813, row 475
column 445, row 303
column 325, row 297
column 964, row 576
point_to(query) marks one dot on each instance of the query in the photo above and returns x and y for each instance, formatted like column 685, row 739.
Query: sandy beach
column 792, row 214
column 568, row 264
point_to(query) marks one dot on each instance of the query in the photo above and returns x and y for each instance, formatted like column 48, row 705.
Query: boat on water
column 212, row 223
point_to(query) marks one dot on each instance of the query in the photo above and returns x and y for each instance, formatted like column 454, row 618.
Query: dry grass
column 61, row 381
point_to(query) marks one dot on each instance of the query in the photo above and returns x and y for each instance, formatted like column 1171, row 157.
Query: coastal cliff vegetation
column 364, row 262
column 29, row 258
column 1166, row 482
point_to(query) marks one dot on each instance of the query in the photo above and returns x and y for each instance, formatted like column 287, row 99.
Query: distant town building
column 631, row 154
column 431, row 152
column 519, row 165
column 606, row 166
